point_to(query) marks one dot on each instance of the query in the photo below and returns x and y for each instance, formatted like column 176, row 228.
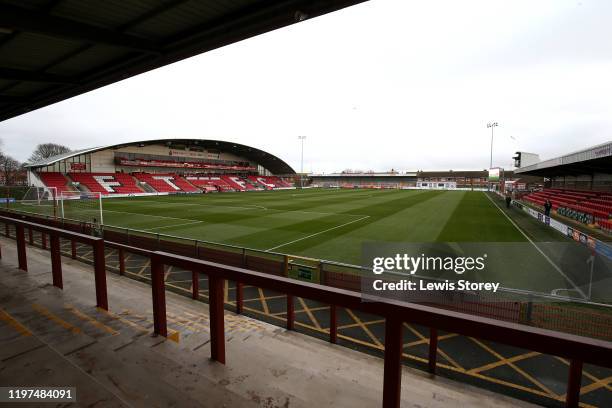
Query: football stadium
column 204, row 272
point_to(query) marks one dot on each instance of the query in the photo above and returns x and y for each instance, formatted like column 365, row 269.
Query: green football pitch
column 334, row 224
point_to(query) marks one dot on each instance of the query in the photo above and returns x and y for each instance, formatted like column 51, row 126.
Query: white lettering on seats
column 107, row 182
column 169, row 180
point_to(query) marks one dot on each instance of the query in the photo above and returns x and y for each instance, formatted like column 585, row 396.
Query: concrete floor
column 50, row 337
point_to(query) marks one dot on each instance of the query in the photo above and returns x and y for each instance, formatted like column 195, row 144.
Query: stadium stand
column 235, row 182
column 107, row 183
column 123, row 183
column 166, row 183
column 588, row 207
column 251, row 185
column 269, row 182
column 579, row 185
column 162, row 166
column 57, row 180
column 209, row 183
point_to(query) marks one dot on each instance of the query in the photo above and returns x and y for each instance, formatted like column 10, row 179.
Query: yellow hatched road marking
column 267, row 297
column 596, row 385
column 440, row 351
column 363, row 343
column 364, row 327
column 264, row 303
column 10, row 320
column 302, row 310
column 504, row 362
column 144, row 267
column 426, row 341
column 597, row 382
column 516, row 368
column 351, row 325
column 309, row 313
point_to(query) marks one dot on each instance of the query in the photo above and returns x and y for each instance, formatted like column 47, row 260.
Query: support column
column 333, row 324
column 100, row 274
column 121, row 262
column 290, row 312
column 239, row 297
column 392, row 383
column 56, row 262
column 433, row 349
column 21, row 247
column 217, row 323
column 158, row 291
column 195, row 285
column 572, row 397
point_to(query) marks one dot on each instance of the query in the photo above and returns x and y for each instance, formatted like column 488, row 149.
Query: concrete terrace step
column 58, row 337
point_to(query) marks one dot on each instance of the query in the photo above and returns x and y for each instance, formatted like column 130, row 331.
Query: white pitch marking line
column 538, row 249
column 318, row 233
column 174, row 225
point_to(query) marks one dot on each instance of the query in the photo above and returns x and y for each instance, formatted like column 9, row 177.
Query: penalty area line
column 318, row 233
column 576, row 288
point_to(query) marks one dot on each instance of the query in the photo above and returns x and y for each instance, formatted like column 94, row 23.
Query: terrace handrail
column 577, row 349
column 356, row 268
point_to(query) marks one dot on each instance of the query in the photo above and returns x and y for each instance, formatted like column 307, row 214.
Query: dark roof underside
column 600, row 165
column 51, row 50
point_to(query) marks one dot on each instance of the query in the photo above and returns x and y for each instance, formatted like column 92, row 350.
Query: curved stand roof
column 267, row 160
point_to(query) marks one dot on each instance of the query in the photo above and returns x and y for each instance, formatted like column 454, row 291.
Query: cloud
column 384, row 84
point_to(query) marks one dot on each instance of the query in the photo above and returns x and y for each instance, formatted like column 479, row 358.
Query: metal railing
column 577, row 349
column 519, row 306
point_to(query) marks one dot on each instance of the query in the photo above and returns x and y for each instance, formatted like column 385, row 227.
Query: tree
column 46, row 150
column 10, row 169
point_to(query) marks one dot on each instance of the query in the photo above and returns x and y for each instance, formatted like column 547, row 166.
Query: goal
column 40, row 195
column 40, row 200
column 81, row 206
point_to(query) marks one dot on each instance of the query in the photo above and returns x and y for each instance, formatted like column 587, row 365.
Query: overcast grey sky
column 385, row 84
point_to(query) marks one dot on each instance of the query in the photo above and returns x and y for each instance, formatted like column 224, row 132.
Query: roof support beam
column 17, row 18
column 21, row 75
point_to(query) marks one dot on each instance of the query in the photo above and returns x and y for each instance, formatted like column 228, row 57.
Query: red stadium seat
column 167, row 183
column 582, row 205
column 57, row 180
column 107, row 183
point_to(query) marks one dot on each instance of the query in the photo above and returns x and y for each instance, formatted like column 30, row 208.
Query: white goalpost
column 81, row 206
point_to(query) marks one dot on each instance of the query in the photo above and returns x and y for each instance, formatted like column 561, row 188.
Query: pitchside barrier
column 554, row 312
column 577, row 349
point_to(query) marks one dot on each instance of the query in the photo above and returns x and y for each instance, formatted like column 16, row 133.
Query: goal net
column 81, row 206
column 40, row 195
column 39, row 200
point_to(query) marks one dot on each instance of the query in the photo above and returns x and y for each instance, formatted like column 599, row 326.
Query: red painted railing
column 577, row 349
